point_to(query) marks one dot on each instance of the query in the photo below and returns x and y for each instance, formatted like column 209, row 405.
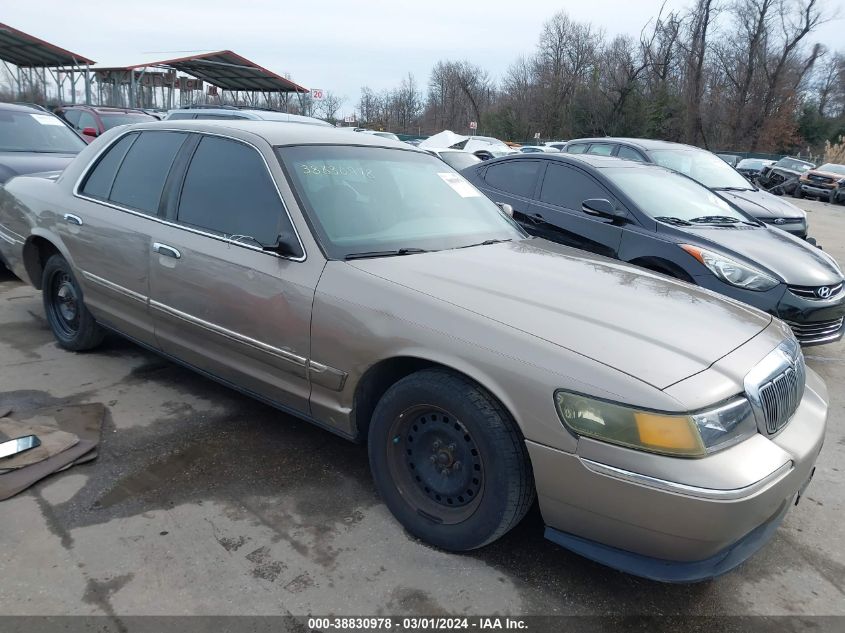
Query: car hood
column 792, row 259
column 827, row 174
column 20, row 163
column 762, row 204
column 643, row 324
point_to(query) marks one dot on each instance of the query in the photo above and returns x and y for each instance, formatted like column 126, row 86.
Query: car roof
column 248, row 113
column 276, row 132
column 590, row 160
column 19, row 107
column 642, row 143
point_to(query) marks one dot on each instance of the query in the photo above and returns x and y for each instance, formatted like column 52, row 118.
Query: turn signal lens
column 679, row 434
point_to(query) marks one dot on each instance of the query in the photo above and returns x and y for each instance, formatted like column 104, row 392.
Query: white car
column 485, row 147
column 457, row 159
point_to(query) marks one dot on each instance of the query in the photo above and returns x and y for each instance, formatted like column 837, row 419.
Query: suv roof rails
column 203, row 106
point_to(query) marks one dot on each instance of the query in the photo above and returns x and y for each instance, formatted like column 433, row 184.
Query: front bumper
column 678, row 519
column 813, row 321
column 817, row 191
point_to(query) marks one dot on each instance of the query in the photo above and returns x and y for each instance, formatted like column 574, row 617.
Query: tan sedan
column 365, row 286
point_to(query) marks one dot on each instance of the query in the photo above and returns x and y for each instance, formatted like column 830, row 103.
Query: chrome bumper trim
column 714, row 494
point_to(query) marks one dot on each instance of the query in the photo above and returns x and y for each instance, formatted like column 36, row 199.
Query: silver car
column 365, row 286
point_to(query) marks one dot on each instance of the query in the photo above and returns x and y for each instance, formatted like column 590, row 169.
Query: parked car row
column 826, row 182
column 364, row 285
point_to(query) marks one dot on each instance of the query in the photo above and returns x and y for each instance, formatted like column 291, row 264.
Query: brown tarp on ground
column 82, row 421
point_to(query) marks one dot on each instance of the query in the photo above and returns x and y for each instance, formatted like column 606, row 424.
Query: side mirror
column 286, row 246
column 506, row 208
column 603, row 208
column 89, row 131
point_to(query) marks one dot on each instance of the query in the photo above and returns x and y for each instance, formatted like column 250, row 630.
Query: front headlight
column 731, row 271
column 685, row 435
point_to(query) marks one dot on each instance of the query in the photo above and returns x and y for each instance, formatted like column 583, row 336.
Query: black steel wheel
column 73, row 325
column 449, row 460
column 436, row 463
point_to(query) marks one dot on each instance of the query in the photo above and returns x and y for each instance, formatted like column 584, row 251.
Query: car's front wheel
column 73, row 325
column 449, row 460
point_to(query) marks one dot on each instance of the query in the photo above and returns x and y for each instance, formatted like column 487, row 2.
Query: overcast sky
column 332, row 44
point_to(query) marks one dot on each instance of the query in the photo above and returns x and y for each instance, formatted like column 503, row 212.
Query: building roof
column 225, row 69
column 22, row 49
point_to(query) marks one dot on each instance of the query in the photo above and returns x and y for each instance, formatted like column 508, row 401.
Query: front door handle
column 167, row 251
column 73, row 219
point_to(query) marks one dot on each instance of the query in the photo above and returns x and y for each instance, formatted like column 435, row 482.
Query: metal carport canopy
column 23, row 50
column 229, row 71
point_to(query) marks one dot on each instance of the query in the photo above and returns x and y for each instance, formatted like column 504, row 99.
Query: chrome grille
column 776, row 385
column 816, row 331
column 780, row 398
column 782, row 221
column 812, row 292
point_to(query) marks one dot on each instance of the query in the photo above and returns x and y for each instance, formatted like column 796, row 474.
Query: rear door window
column 140, row 178
column 228, row 190
column 181, row 115
column 576, row 148
column 518, row 177
column 100, row 179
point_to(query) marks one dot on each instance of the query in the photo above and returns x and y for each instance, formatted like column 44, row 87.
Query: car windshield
column 795, row 165
column 362, row 200
column 459, row 160
column 751, row 163
column 36, row 132
column 111, row 120
column 670, row 197
column 832, row 168
column 708, row 169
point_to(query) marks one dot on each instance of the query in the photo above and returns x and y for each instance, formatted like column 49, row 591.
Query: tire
column 72, row 324
column 449, row 461
column 797, row 193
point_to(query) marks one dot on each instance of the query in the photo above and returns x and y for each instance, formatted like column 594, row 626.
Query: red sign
column 473, row 125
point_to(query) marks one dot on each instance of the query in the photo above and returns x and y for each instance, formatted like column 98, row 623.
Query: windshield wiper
column 394, row 253
column 673, row 220
column 486, row 243
column 732, row 189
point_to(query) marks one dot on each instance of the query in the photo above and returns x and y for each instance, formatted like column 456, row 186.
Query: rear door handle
column 167, row 251
column 73, row 219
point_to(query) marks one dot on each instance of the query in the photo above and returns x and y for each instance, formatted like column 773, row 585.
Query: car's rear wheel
column 797, row 193
column 449, row 461
column 72, row 324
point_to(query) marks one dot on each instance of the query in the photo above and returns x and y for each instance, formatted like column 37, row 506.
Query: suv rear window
column 141, row 176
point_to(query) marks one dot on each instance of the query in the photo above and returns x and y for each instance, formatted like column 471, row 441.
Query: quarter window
column 99, row 181
column 518, row 177
column 86, row 119
column 228, row 190
column 629, row 154
column 568, row 187
column 142, row 174
column 601, row 149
